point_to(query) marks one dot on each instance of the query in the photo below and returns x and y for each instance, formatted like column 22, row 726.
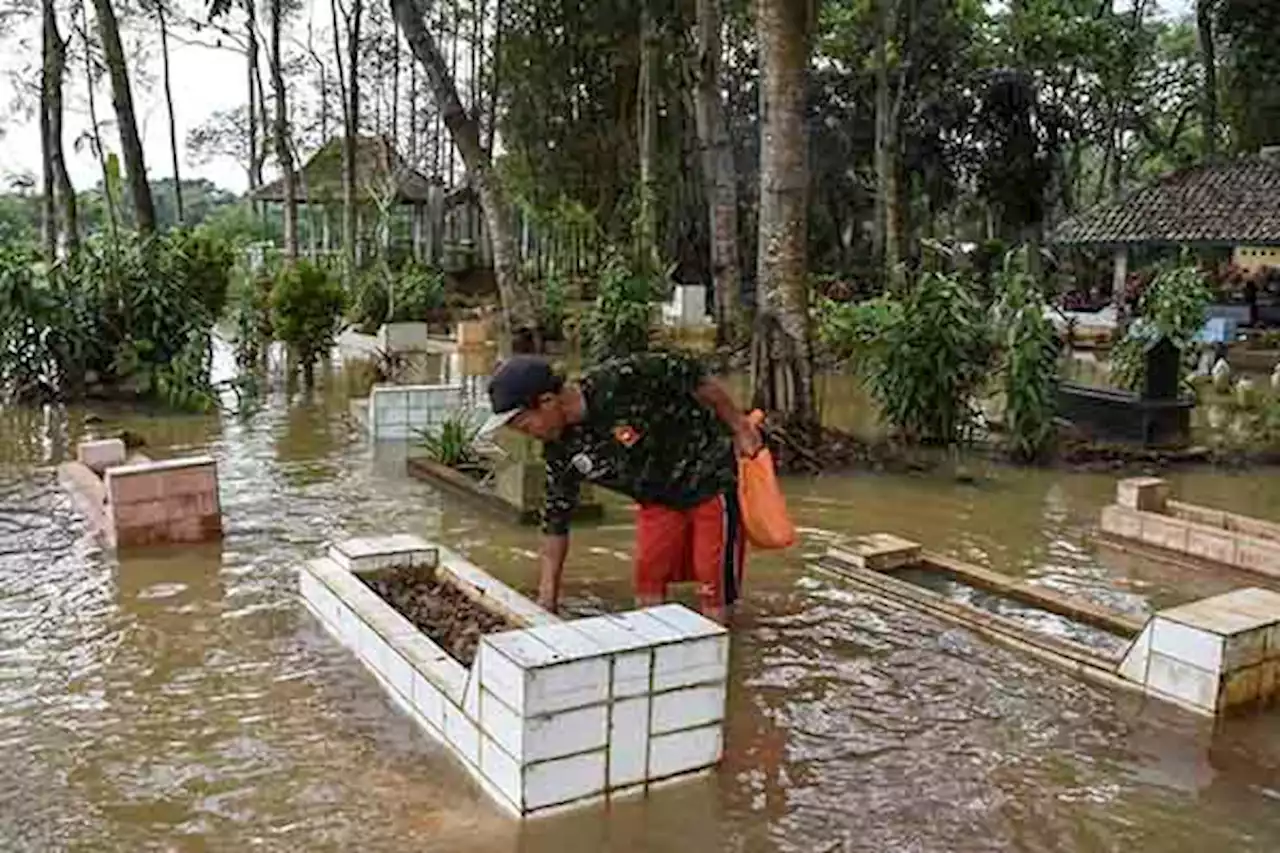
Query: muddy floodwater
column 185, row 700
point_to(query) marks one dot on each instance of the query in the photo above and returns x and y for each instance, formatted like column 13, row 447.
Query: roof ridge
column 1219, row 202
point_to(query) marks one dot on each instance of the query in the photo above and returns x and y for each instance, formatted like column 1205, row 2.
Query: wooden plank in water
column 1051, row 600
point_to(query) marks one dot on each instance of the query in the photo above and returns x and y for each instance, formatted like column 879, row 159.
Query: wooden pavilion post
column 1119, row 275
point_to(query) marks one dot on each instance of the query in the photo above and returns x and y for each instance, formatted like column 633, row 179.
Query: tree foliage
column 307, row 305
column 133, row 314
column 937, row 348
column 1172, row 307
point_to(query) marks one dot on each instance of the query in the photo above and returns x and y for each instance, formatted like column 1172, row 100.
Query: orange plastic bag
column 764, row 509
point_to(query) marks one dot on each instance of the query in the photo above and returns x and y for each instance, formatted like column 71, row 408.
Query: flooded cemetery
column 907, row 374
column 967, row 696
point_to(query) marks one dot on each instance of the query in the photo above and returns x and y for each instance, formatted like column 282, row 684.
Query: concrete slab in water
column 879, row 552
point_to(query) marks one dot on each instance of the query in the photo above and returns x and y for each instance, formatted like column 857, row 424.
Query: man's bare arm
column 554, row 550
column 712, row 394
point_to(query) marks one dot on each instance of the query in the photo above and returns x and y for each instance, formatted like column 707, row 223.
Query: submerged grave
column 1213, row 656
column 549, row 713
column 1145, row 513
column 402, row 412
column 510, row 486
column 131, row 500
column 1158, row 416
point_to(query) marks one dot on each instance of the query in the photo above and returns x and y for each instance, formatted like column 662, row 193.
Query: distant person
column 657, row 428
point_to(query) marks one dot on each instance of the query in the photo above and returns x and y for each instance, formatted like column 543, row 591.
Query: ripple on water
column 182, row 699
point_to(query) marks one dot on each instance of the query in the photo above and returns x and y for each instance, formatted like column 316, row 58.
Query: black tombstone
column 1158, row 417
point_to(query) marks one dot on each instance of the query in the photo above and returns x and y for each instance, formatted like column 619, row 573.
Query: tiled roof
column 1229, row 203
column 377, row 165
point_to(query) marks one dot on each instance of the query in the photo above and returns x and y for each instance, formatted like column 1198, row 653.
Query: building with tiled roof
column 1230, row 204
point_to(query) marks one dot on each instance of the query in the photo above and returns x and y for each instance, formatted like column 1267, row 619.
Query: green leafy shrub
column 30, row 370
column 383, row 296
column 206, row 261
column 936, row 353
column 552, row 310
column 618, row 323
column 163, row 297
column 306, row 313
column 131, row 314
column 453, row 441
column 1029, row 372
column 852, row 330
column 251, row 317
column 1172, row 306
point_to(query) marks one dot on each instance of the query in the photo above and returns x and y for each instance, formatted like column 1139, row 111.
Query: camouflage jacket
column 644, row 435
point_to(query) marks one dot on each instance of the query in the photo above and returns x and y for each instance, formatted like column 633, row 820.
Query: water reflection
column 182, row 699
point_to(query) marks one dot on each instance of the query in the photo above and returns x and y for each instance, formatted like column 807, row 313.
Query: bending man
column 657, row 428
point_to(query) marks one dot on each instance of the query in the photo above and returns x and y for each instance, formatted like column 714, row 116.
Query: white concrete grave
column 404, row 337
column 553, row 714
column 1145, row 512
column 1213, row 655
column 100, row 455
column 402, row 412
column 687, row 307
column 880, row 552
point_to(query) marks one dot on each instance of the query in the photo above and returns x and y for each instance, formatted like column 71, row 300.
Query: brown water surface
column 185, row 700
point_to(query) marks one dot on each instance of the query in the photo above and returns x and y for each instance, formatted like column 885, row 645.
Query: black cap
column 516, row 383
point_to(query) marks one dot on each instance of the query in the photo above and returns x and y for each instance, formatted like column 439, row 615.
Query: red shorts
column 704, row 544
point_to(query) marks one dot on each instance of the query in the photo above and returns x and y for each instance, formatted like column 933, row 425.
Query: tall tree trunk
column 173, row 124
column 251, row 51
column 455, row 28
column 782, row 362
column 519, row 314
column 1209, row 61
column 350, row 218
column 264, row 119
column 96, row 129
column 395, row 92
column 647, row 221
column 144, row 210
column 284, row 155
column 379, row 78
column 719, row 173
column 413, row 114
column 48, row 209
column 1122, row 118
column 888, row 227
column 498, row 19
column 64, row 192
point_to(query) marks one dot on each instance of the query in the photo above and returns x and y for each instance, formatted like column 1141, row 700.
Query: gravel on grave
column 441, row 611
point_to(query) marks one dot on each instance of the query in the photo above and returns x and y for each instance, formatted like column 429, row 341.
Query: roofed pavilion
column 1231, row 204
column 383, row 177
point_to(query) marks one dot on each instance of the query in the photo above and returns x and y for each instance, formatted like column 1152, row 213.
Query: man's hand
column 746, row 435
column 747, row 439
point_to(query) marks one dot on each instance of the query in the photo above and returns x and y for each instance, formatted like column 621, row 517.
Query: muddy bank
column 837, row 452
column 452, row 620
